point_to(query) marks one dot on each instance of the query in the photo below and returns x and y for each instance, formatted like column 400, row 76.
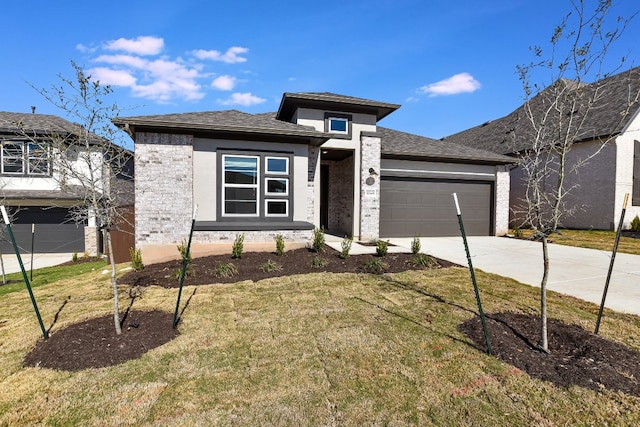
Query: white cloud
column 459, row 83
column 125, row 60
column 245, row 99
column 108, row 76
column 231, row 56
column 224, row 83
column 141, row 45
column 140, row 65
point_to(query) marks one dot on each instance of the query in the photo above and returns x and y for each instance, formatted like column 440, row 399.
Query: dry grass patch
column 593, row 239
column 318, row 349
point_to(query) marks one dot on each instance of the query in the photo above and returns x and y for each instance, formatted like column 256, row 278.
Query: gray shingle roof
column 395, row 143
column 38, row 123
column 223, row 121
column 332, row 101
column 513, row 133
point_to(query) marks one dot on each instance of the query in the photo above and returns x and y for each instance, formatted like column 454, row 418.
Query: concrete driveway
column 573, row 271
column 11, row 264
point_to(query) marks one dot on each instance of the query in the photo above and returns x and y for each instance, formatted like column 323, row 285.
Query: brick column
column 369, row 186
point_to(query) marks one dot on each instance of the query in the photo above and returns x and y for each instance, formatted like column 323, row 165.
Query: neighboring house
column 38, row 192
column 320, row 161
column 600, row 185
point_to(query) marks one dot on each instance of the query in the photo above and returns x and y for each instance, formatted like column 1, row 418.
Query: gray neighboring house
column 30, row 185
column 320, row 161
column 601, row 184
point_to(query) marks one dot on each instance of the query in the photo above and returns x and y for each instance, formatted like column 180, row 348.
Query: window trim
column 26, row 158
column 275, row 178
column 266, row 165
column 225, row 185
column 266, row 209
column 328, row 117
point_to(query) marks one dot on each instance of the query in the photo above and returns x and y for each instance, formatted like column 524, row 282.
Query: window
column 338, row 124
column 256, row 185
column 25, row 158
column 240, row 187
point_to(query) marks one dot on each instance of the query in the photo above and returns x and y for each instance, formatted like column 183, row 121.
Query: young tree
column 583, row 93
column 90, row 163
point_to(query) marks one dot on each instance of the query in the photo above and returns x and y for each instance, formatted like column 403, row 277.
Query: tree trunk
column 544, row 346
column 114, row 284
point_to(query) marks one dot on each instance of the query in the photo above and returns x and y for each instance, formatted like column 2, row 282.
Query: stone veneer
column 163, row 188
column 369, row 191
column 91, row 239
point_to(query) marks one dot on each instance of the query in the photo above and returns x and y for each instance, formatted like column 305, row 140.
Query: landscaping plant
column 382, row 247
column 225, row 269
column 270, row 266
column 635, row 224
column 136, row 259
column 346, row 247
column 318, row 242
column 279, row 244
column 238, row 246
column 415, row 245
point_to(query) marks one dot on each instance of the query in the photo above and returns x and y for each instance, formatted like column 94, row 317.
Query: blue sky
column 450, row 64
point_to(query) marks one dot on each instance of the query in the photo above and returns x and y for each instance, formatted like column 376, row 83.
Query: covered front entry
column 336, row 192
column 424, row 207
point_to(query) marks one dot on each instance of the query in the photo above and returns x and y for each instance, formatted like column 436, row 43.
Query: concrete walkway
column 11, row 264
column 573, row 271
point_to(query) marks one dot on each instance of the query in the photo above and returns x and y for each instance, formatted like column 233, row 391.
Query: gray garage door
column 424, row 207
column 53, row 231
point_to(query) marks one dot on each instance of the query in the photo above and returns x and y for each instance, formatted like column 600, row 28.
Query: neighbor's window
column 25, row 158
column 241, row 185
column 256, row 185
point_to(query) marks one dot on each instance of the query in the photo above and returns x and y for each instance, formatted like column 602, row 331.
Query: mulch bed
column 249, row 267
column 576, row 356
column 94, row 343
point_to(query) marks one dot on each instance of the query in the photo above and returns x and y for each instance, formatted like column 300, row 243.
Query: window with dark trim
column 338, row 124
column 255, row 186
column 635, row 198
column 25, row 158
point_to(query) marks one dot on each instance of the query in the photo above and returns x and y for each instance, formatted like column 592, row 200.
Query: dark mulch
column 577, row 357
column 94, row 343
column 631, row 233
column 249, row 267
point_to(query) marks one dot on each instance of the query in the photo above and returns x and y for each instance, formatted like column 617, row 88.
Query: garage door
column 424, row 207
column 53, row 231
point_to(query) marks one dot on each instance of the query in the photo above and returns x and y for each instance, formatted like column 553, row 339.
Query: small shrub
column 136, row 259
column 270, row 266
column 346, row 247
column 415, row 245
column 635, row 224
column 318, row 262
column 85, row 254
column 318, row 240
column 183, row 249
column 279, row 245
column 382, row 247
column 376, row 266
column 238, row 246
column 423, row 260
column 225, row 269
column 74, row 257
column 188, row 272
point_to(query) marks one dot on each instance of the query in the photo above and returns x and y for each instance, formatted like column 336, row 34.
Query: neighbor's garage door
column 54, row 231
column 424, row 207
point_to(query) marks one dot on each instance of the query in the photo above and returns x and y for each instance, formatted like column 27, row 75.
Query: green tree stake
column 184, row 267
column 613, row 258
column 473, row 276
column 24, row 272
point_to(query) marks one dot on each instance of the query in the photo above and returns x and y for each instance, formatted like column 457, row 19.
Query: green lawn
column 318, row 349
column 593, row 239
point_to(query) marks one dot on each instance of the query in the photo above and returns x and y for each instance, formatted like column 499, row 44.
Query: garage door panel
column 420, row 207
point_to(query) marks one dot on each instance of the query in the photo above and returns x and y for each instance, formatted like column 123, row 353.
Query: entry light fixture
column 372, row 172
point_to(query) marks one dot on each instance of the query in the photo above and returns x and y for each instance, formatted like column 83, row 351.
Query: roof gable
column 334, row 102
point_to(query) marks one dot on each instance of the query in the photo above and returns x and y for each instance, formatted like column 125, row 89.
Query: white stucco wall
column 624, row 172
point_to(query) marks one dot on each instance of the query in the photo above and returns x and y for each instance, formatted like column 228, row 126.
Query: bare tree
column 90, row 163
column 587, row 101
